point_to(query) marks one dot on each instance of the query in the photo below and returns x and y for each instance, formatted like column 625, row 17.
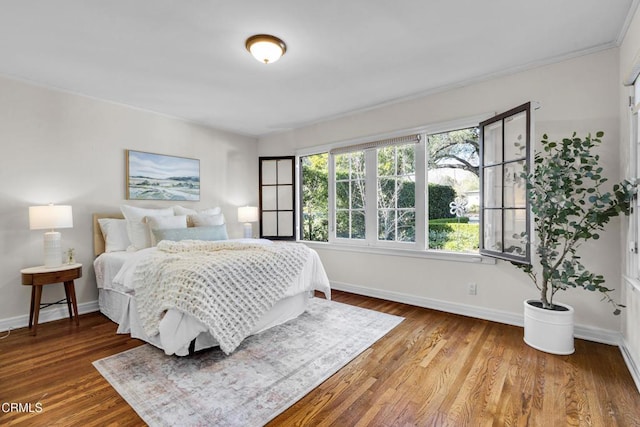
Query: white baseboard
column 589, row 333
column 634, row 369
column 47, row 315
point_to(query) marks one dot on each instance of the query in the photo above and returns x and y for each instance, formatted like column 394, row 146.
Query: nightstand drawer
column 40, row 279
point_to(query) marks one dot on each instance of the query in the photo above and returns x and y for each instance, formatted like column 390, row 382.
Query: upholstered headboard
column 98, row 238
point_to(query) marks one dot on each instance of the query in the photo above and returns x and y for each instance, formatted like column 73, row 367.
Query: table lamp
column 247, row 215
column 51, row 217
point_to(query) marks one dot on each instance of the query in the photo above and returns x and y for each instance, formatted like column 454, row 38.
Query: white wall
column 579, row 94
column 68, row 149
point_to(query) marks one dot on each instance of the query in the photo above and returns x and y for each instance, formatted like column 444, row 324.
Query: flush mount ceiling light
column 266, row 48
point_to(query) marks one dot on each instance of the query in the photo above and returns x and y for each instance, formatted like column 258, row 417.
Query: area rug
column 266, row 374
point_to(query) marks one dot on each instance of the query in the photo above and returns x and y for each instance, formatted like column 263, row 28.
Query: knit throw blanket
column 228, row 286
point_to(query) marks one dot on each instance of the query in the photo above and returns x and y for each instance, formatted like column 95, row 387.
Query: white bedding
column 107, row 266
column 114, row 274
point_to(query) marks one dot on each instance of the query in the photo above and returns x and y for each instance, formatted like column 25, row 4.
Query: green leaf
column 570, row 205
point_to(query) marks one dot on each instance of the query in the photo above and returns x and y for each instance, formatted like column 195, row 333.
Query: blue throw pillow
column 213, row 232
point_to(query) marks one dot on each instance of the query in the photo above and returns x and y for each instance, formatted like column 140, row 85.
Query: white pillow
column 211, row 211
column 163, row 223
column 115, row 234
column 137, row 229
column 179, row 210
column 204, row 220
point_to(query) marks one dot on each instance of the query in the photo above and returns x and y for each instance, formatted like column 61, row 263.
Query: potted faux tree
column 569, row 207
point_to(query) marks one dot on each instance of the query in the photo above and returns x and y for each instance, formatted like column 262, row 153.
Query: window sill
column 437, row 255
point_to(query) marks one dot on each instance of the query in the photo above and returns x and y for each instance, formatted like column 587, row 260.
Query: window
column 350, row 190
column 277, row 193
column 423, row 191
column 504, row 212
column 375, row 196
column 396, row 193
column 314, row 183
column 454, row 190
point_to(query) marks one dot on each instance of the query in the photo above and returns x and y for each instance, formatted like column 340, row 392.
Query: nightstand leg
column 67, row 293
column 33, row 298
column 36, row 308
column 72, row 293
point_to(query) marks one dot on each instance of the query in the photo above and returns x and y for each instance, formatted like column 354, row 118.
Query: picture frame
column 151, row 176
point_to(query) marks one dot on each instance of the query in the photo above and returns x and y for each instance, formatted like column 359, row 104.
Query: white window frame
column 632, row 173
column 371, row 215
column 418, row 197
column 333, row 209
column 416, row 249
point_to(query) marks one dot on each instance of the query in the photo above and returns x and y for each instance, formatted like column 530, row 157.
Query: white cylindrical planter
column 550, row 331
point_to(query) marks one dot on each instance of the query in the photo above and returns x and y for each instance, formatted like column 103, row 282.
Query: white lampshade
column 247, row 215
column 50, row 217
column 266, row 48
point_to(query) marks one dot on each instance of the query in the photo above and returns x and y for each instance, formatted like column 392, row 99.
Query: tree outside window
column 453, row 193
column 396, row 193
column 350, row 195
column 314, row 181
column 454, row 190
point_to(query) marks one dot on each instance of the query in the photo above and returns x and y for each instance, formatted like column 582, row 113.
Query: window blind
column 407, row 139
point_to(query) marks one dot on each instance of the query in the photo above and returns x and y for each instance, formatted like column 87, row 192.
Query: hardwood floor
column 434, row 369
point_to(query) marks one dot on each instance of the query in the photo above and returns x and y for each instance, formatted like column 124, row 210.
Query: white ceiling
column 186, row 58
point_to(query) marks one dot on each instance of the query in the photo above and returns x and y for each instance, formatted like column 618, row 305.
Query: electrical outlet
column 473, row 289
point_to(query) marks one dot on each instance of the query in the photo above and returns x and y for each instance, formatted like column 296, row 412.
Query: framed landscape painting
column 159, row 177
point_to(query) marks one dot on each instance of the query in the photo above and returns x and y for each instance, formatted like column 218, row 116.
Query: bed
column 182, row 331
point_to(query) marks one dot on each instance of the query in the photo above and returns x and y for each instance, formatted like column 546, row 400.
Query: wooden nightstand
column 37, row 277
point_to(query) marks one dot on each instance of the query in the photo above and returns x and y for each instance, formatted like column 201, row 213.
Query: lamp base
column 52, row 249
column 248, row 230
